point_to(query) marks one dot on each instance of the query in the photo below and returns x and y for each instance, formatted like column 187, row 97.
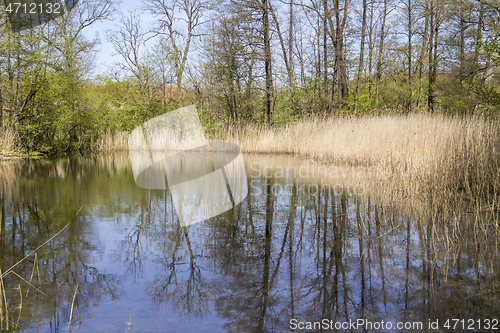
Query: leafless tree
column 179, row 21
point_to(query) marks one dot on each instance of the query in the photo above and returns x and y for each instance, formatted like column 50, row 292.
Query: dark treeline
column 260, row 61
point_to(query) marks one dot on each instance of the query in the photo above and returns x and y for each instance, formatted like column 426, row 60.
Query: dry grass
column 423, row 158
column 111, row 142
column 8, row 142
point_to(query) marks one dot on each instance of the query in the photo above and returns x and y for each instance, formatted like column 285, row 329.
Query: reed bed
column 8, row 142
column 433, row 159
column 109, row 142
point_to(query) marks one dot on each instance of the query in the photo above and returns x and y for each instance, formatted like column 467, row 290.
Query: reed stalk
column 72, row 306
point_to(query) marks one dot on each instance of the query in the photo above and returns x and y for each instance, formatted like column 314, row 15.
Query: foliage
column 492, row 49
column 10, row 330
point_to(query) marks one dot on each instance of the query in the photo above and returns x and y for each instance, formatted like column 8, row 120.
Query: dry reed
column 423, row 158
column 8, row 142
column 72, row 307
column 108, row 142
column 4, row 305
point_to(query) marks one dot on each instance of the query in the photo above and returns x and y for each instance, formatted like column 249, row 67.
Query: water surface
column 304, row 245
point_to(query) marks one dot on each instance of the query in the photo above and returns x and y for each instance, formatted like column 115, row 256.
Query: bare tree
column 179, row 20
column 268, row 62
column 128, row 42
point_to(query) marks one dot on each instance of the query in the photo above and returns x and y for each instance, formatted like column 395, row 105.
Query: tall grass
column 423, row 158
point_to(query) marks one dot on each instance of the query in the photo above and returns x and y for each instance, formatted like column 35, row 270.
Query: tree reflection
column 181, row 282
column 42, row 197
column 310, row 253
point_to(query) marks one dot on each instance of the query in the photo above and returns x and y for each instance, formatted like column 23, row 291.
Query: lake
column 311, row 248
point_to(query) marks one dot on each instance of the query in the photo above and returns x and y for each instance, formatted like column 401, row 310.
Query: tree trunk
column 361, row 56
column 290, row 61
column 461, row 56
column 479, row 36
column 430, row 89
column 325, row 57
column 423, row 50
column 370, row 52
column 340, row 66
column 267, row 61
column 380, row 52
column 410, row 33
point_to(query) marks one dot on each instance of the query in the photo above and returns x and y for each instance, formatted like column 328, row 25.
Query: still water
column 306, row 245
